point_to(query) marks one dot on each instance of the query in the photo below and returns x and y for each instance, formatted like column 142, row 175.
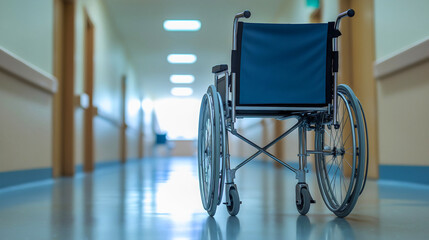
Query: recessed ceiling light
column 182, row 78
column 182, row 25
column 181, row 91
column 181, row 58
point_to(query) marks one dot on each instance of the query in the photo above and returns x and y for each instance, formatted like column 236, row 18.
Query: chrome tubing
column 298, row 124
column 245, row 14
column 348, row 13
column 227, row 94
column 302, row 156
column 235, row 133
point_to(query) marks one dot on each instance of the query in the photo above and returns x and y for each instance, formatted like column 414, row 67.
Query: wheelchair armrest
column 219, row 68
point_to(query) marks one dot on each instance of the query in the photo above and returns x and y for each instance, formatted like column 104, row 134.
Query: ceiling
column 140, row 26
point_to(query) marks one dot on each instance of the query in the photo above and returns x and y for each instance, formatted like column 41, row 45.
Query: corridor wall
column 111, row 64
column 25, row 107
column 402, row 37
column 27, row 89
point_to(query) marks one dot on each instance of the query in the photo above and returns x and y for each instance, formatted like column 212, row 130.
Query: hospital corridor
column 227, row 119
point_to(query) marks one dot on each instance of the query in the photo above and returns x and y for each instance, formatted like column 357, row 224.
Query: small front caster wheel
column 304, row 206
column 234, row 199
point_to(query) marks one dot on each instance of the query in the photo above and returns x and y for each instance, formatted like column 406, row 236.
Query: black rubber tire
column 342, row 207
column 234, row 208
column 304, row 206
column 210, row 110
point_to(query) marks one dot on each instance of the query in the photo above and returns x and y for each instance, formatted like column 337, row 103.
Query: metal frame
column 335, row 49
column 302, row 114
column 261, row 108
column 206, row 186
column 303, row 126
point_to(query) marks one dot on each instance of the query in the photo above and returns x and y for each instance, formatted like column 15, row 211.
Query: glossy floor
column 159, row 199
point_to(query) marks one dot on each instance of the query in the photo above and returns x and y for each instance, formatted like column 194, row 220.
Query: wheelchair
column 285, row 71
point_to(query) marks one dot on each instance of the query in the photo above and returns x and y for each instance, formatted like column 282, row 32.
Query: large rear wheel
column 340, row 169
column 211, row 150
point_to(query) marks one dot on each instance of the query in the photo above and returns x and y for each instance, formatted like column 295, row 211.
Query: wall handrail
column 112, row 120
column 108, row 118
column 27, row 72
column 402, row 59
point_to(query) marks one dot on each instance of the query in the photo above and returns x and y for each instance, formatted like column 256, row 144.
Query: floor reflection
column 63, row 209
column 159, row 199
column 303, row 228
column 212, row 231
column 88, row 209
column 337, row 228
column 232, row 228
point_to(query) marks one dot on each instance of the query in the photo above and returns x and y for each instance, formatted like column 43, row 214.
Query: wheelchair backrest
column 283, row 64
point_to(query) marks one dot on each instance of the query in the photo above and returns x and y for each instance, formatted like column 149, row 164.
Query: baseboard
column 412, row 174
column 13, row 178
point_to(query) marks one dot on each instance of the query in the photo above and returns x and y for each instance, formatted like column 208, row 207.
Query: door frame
column 64, row 102
column 89, row 113
column 357, row 68
column 123, row 127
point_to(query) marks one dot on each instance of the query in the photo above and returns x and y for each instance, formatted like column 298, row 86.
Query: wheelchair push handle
column 245, row 14
column 348, row 13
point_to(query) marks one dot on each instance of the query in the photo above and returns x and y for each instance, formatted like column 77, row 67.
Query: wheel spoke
column 340, row 104
column 330, row 136
column 345, row 150
column 337, row 175
column 342, row 129
column 331, row 165
column 348, row 163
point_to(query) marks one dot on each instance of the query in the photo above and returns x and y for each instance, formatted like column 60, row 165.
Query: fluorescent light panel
column 182, row 25
column 182, row 78
column 181, row 91
column 181, row 58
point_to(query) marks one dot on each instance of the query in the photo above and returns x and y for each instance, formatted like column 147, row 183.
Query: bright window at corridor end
column 178, row 117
